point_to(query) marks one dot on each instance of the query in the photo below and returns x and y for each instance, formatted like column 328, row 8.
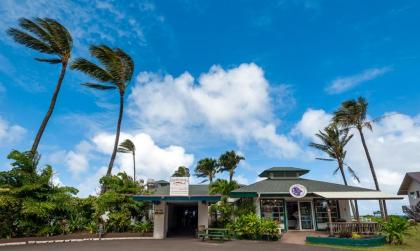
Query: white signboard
column 179, row 186
column 298, row 190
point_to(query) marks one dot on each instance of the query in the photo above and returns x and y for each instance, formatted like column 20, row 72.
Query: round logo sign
column 297, row 191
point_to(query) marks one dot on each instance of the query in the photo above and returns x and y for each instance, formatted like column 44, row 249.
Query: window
column 321, row 213
column 412, row 195
column 273, row 209
column 418, row 194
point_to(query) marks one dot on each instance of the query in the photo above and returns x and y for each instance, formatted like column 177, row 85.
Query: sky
column 257, row 77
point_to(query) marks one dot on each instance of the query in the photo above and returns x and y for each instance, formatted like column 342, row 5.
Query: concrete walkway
column 299, row 237
column 170, row 244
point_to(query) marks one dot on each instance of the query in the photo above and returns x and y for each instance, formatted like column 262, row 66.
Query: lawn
column 411, row 243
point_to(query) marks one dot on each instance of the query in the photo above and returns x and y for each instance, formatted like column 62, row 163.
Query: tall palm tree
column 333, row 141
column 127, row 146
column 47, row 36
column 114, row 74
column 206, row 168
column 182, row 171
column 229, row 162
column 223, row 187
column 352, row 114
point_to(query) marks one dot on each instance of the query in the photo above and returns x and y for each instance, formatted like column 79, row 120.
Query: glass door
column 306, row 215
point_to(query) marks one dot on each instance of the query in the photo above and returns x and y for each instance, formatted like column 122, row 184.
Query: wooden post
column 330, row 219
column 357, row 211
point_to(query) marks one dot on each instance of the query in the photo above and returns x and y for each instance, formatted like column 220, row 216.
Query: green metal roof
column 283, row 169
column 281, row 186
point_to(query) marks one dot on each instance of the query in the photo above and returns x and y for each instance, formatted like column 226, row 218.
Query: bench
column 214, row 233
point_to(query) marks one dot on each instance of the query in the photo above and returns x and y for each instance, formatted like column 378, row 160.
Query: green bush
column 142, row 227
column 395, row 229
column 252, row 227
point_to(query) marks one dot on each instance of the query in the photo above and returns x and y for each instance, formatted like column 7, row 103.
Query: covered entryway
column 299, row 215
column 182, row 219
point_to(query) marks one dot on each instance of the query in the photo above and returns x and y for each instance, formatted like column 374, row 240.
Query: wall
column 203, row 214
column 414, row 186
column 159, row 227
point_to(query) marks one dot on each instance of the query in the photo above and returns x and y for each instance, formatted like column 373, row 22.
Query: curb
column 73, row 240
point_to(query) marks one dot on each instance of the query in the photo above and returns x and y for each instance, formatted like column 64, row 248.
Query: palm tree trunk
column 230, row 176
column 372, row 169
column 50, row 109
column 117, row 135
column 134, row 165
column 353, row 208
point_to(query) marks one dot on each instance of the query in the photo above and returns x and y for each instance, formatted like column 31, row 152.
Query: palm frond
column 49, row 60
column 91, row 69
column 99, row 86
column 29, row 41
column 352, row 173
column 336, row 170
column 325, row 159
column 128, row 64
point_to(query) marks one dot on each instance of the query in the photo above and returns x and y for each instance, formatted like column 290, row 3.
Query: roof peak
column 283, row 171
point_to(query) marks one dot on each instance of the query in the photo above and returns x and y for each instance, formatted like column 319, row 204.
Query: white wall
column 159, row 227
column 414, row 187
column 345, row 210
column 203, row 214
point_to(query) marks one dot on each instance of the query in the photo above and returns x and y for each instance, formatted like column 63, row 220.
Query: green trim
column 243, row 194
column 374, row 241
column 177, row 198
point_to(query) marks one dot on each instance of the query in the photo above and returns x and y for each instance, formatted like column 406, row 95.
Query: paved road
column 165, row 245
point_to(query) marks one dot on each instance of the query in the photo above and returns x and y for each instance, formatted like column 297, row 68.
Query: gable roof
column 281, row 186
column 283, row 169
column 408, row 178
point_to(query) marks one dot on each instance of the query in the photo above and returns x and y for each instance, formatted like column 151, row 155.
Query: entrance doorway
column 182, row 219
column 299, row 215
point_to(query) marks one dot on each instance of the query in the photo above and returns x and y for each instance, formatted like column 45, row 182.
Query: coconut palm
column 206, row 168
column 229, row 162
column 223, row 187
column 352, row 114
column 333, row 141
column 114, row 74
column 182, row 171
column 127, row 146
column 48, row 36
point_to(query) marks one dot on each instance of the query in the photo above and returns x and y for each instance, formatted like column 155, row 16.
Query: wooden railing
column 355, row 227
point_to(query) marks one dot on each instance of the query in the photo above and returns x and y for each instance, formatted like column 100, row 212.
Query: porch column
column 159, row 221
column 203, row 213
column 329, row 219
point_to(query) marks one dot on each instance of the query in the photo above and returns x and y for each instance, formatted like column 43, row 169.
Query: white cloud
column 152, row 161
column 342, row 84
column 234, row 104
column 10, row 133
column 393, row 145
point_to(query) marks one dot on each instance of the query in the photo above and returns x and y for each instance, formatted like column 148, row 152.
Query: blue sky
column 259, row 77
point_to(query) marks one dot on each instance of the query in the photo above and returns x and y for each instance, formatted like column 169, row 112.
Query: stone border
column 73, row 240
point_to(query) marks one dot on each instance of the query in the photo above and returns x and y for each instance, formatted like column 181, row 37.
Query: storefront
column 295, row 203
column 302, row 204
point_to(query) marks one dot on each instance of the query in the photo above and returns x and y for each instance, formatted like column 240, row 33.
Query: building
column 411, row 187
column 283, row 195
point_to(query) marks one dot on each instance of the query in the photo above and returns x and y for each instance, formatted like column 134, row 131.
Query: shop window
column 273, row 209
column 321, row 213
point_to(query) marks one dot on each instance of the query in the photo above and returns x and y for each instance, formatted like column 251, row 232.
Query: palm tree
column 47, row 36
column 127, row 146
column 223, row 187
column 206, row 168
column 333, row 141
column 229, row 162
column 182, row 171
column 352, row 114
column 115, row 74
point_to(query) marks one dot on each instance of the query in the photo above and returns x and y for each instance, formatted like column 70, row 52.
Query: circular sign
column 298, row 191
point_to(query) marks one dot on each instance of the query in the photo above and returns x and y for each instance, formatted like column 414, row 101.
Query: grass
column 411, row 243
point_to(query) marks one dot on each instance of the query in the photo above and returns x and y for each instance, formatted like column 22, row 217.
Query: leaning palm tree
column 332, row 142
column 114, row 74
column 127, row 146
column 206, row 168
column 47, row 36
column 229, row 162
column 353, row 114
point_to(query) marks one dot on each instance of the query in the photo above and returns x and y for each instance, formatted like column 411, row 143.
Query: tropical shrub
column 30, row 204
column 252, row 227
column 244, row 206
column 142, row 227
column 395, row 229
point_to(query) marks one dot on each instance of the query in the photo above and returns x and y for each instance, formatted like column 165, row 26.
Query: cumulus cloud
column 393, row 144
column 10, row 133
column 233, row 103
column 342, row 84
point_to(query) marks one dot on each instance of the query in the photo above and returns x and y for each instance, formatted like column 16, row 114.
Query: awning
column 360, row 195
column 210, row 198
